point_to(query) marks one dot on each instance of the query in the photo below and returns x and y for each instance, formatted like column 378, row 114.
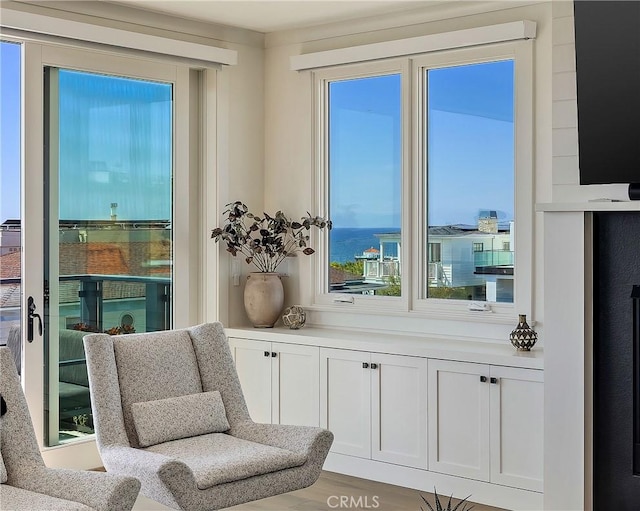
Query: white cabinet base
column 425, row 481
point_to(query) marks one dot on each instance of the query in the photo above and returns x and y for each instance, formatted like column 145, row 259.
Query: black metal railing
column 157, row 294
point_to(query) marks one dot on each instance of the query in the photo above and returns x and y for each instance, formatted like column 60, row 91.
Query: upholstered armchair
column 168, row 409
column 27, row 484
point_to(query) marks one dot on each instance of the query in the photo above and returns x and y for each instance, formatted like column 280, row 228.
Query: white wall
column 288, row 134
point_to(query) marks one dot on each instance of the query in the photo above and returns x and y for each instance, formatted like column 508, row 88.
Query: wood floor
column 339, row 492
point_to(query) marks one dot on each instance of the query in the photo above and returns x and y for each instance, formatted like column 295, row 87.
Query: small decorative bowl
column 294, row 317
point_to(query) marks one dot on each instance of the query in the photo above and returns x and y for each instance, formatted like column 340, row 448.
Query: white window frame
column 414, row 244
column 521, row 52
column 191, row 167
column 321, row 80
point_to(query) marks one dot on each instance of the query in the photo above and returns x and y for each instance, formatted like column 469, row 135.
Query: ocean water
column 347, row 242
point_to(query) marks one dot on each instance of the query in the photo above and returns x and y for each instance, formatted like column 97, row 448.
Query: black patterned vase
column 523, row 337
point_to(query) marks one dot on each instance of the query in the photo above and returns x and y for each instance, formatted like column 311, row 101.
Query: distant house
column 477, row 258
column 9, row 237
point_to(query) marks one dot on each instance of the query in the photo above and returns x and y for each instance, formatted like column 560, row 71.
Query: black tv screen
column 607, row 37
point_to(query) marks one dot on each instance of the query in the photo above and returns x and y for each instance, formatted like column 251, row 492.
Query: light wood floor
column 324, row 495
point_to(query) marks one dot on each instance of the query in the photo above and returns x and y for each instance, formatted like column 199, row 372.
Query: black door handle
column 31, row 314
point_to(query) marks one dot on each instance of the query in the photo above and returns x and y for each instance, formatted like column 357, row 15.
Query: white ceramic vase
column 263, row 298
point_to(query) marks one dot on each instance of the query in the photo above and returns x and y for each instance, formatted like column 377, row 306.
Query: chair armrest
column 98, row 490
column 301, row 439
column 144, row 464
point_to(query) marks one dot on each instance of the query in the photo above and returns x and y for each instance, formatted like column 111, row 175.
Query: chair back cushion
column 179, row 417
column 153, row 366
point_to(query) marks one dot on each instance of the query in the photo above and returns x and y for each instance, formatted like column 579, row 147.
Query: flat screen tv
column 607, row 37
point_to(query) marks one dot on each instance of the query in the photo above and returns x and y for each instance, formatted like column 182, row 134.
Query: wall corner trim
column 422, row 44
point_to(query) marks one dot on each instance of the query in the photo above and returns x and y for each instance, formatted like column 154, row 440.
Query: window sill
column 437, row 312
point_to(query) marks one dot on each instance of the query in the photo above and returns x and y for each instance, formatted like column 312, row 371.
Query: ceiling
column 270, row 16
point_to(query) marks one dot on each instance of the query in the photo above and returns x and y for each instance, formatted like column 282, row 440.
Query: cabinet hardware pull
column 483, row 379
column 365, row 365
column 274, row 354
column 374, row 366
column 266, row 353
column 494, row 380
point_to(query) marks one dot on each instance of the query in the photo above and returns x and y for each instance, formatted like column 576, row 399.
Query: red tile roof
column 10, row 265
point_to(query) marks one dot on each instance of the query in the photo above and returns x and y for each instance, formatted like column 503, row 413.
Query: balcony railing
column 380, row 269
column 492, row 258
column 156, row 292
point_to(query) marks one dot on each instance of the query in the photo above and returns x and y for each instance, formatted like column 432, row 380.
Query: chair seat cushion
column 18, row 499
column 219, row 458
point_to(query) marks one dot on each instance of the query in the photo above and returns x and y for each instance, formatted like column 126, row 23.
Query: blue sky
column 115, row 144
column 9, row 131
column 470, row 147
column 104, row 159
column 115, row 147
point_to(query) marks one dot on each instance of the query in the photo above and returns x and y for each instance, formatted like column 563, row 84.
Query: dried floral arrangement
column 265, row 241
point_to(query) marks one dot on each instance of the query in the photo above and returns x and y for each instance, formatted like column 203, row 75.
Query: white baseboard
column 424, row 480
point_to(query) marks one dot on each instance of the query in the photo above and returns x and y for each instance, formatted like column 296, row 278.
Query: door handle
column 31, row 314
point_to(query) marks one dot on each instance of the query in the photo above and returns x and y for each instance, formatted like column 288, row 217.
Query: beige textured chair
column 168, row 409
column 27, row 484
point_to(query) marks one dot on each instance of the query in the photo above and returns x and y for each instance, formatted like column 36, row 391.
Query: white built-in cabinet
column 415, row 418
column 280, row 381
column 486, row 422
column 375, row 405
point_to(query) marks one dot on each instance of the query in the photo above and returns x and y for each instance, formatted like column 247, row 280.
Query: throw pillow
column 179, row 417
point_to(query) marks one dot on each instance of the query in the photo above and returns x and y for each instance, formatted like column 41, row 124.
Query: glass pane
column 10, row 171
column 109, row 261
column 470, row 166
column 365, row 159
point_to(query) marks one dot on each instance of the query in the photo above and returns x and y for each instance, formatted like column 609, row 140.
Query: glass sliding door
column 10, row 216
column 108, row 237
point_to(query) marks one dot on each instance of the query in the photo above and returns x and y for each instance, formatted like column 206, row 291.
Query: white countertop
column 495, row 352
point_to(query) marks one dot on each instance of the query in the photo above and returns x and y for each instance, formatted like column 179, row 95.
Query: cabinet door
column 296, row 384
column 253, row 363
column 517, row 427
column 345, row 400
column 399, row 409
column 458, row 416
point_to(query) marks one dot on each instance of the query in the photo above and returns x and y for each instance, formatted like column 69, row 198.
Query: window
column 109, row 138
column 10, row 177
column 469, row 166
column 431, row 160
column 364, row 163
